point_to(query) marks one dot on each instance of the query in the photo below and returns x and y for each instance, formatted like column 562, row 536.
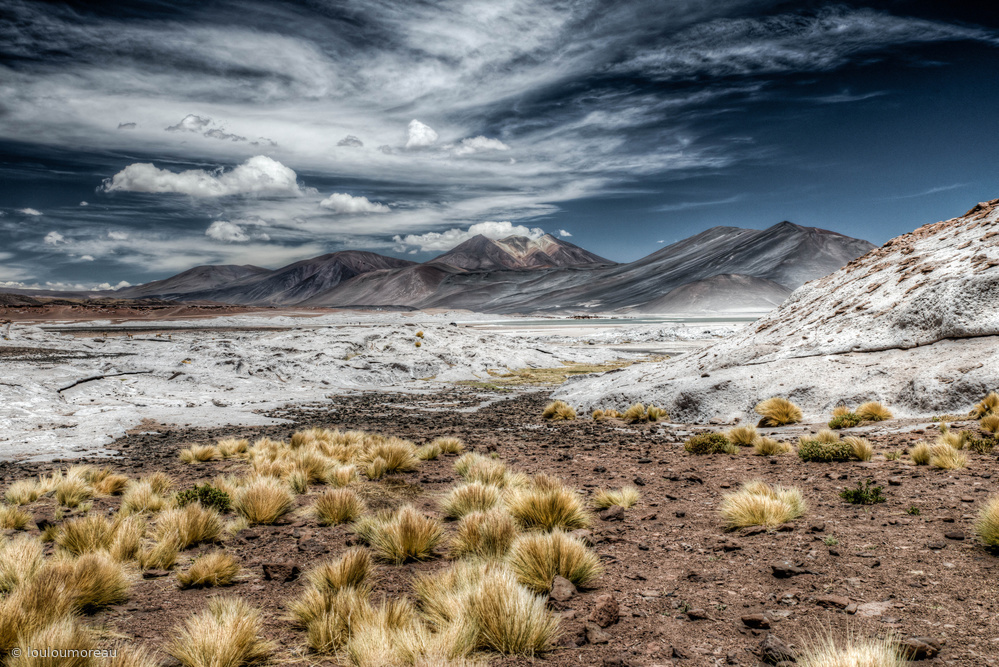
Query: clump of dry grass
column 778, row 411
column 340, row 476
column 343, row 611
column 841, row 411
column 400, row 536
column 353, row 569
column 216, row 568
column 862, row 449
column 192, row 524
column 759, row 504
column 376, row 468
column 73, row 491
column 624, row 497
column 921, row 454
column 264, row 500
column 827, row 436
column 228, row 633
column 199, row 454
column 946, row 457
column 537, row 558
column 20, row 560
column 230, row 447
column 159, row 482
column 141, row 497
column 428, row 452
column 161, row 556
column 471, row 497
column 873, row 411
column 111, row 485
column 450, row 445
column 97, row 581
column 764, row 446
column 484, row 534
column 986, row 527
column 84, row 534
column 507, row 617
column 955, row 439
column 399, row 455
column 127, row 540
column 989, row 423
column 558, row 411
column 13, row 518
column 475, row 467
column 391, row 634
column 638, row 413
column 62, row 637
column 597, row 415
column 987, row 406
column 32, row 606
column 825, row 651
column 348, row 575
column 546, row 504
column 132, row 655
column 297, row 481
column 336, row 506
column 743, row 436
column 23, row 492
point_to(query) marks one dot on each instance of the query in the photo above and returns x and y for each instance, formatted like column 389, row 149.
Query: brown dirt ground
column 669, row 555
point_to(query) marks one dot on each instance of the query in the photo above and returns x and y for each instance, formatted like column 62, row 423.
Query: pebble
column 606, row 612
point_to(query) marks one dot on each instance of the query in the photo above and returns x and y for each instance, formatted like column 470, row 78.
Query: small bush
column 864, row 494
column 209, row 496
column 199, row 454
column 483, row 534
column 399, row 455
column 216, row 568
column 336, row 506
column 921, row 454
column 264, row 501
column 764, row 446
column 227, row 633
column 987, row 406
column 710, row 443
column 537, row 558
column 376, row 468
column 759, row 504
column 401, row 536
column 872, row 411
column 825, row 452
column 849, row 420
column 946, row 457
column 743, row 436
column 161, row 556
column 558, row 411
column 353, row 569
column 547, row 504
column 419, row 334
column 467, row 498
column 84, row 534
column 626, row 497
column 340, row 614
column 778, row 411
column 987, row 525
column 982, row 445
column 955, row 439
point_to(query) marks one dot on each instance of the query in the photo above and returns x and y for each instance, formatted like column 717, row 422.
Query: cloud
column 350, row 141
column 83, row 203
column 127, row 126
column 442, row 241
column 420, row 135
column 117, row 236
column 109, row 286
column 929, row 191
column 478, row 145
column 343, row 203
column 685, row 205
column 260, row 175
column 563, row 233
column 190, row 123
column 86, row 258
column 29, row 211
column 216, row 133
column 54, row 238
column 221, row 230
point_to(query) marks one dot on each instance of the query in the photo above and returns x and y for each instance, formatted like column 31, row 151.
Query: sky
column 141, row 139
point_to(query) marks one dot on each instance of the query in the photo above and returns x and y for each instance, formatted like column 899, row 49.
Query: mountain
column 912, row 324
column 198, row 279
column 720, row 294
column 480, row 253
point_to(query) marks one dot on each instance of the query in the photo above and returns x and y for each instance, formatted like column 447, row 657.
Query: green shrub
column 864, row 494
column 981, row 445
column 209, row 496
column 849, row 420
column 710, row 443
column 814, row 450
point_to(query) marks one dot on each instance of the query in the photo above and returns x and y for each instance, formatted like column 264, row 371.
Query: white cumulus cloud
column 86, row 258
column 340, row 202
column 29, row 211
column 222, row 230
column 420, row 135
column 190, row 123
column 117, row 236
column 478, row 145
column 54, row 238
column 259, row 175
column 441, row 241
column 563, row 233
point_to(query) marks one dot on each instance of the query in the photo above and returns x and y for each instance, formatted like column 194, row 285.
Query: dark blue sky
column 268, row 132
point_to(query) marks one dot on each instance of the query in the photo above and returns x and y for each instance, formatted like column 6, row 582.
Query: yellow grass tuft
column 63, row 637
column 537, row 558
column 216, row 568
column 20, row 560
column 743, row 436
column 635, row 413
column 401, row 536
column 987, row 406
column 23, row 492
column 484, row 534
column 475, row 467
column 160, row 482
column 764, row 446
column 507, row 617
column 399, row 455
column 73, row 491
column 132, row 655
column 450, row 445
column 13, row 518
column 376, row 468
column 598, row 415
column 854, row 651
column 348, row 575
column 32, row 606
column 199, row 454
column 339, row 476
column 334, row 623
column 161, row 556
column 873, row 411
column 989, row 423
column 827, row 436
column 862, row 449
column 141, row 497
column 946, row 457
column 626, row 496
column 192, row 524
column 759, row 504
column 558, row 411
column 84, row 534
column 986, row 527
column 336, row 506
column 97, row 581
column 921, row 454
column 230, row 447
column 264, row 500
column 955, row 439
column 228, row 633
column 778, row 411
column 428, row 452
column 841, row 411
column 472, row 497
column 391, row 634
column 111, row 485
column 547, row 504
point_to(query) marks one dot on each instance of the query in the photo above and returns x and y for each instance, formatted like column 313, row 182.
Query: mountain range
column 720, row 269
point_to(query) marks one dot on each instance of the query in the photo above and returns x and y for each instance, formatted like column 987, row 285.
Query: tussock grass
column 764, row 446
column 333, row 625
column 483, row 534
column 227, row 633
column 428, row 452
column 873, row 411
column 450, row 445
column 946, row 457
column 547, row 504
column 558, row 411
column 132, row 655
column 13, row 518
column 656, row 414
column 986, row 526
column 310, row 464
column 402, row 535
column 336, row 506
column 854, row 651
column 597, row 415
column 141, row 497
column 710, row 443
column 73, row 491
column 216, row 568
column 111, row 485
column 778, row 411
column 84, row 534
column 442, row 593
column 23, row 492
column 955, row 439
column 507, row 617
column 987, row 406
column 467, row 498
column 626, row 496
column 127, row 540
column 263, row 501
column 391, row 634
column 350, row 575
column 62, row 636
column 297, row 481
column 231, row 447
column 537, row 558
column 189, row 525
column 160, row 482
column 20, row 560
column 862, row 449
column 161, row 556
column 199, row 454
column 743, row 436
column 827, row 436
column 97, row 581
column 32, row 606
column 339, row 476
column 841, row 411
column 759, row 504
column 376, row 468
column 399, row 455
column 638, row 413
column 921, row 454
column 475, row 467
column 989, row 423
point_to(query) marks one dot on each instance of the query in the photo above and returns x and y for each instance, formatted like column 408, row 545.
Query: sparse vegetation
column 826, row 652
column 336, row 506
column 23, row 492
column 989, row 423
column 987, row 525
column 216, row 568
column 710, row 443
column 982, row 445
column 764, row 446
column 778, row 411
column 921, row 454
column 946, row 457
column 862, row 449
column 402, row 535
column 206, row 494
column 227, row 633
column 759, row 504
column 873, row 411
column 231, row 447
column 20, row 560
column 546, row 504
column 893, row 456
column 639, row 413
column 558, row 411
column 848, row 420
column 536, row 559
column 428, row 452
column 864, row 494
column 987, row 406
column 624, row 497
column 264, row 500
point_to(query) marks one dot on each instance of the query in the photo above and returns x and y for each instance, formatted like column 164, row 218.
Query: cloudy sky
column 139, row 139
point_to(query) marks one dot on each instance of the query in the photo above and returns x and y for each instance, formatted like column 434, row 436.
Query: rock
column 155, row 574
column 919, row 648
column 678, row 654
column 595, row 635
column 936, row 546
column 752, row 530
column 281, row 571
column 568, row 615
column 612, row 513
column 620, row 661
column 954, row 535
column 772, row 651
column 873, row 609
column 758, row 621
column 698, row 615
column 785, row 570
column 638, row 481
column 583, row 535
column 894, row 481
column 832, row 601
column 606, row 612
column 562, row 589
column 817, row 527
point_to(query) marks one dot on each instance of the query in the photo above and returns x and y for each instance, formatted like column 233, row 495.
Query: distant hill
column 517, row 252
